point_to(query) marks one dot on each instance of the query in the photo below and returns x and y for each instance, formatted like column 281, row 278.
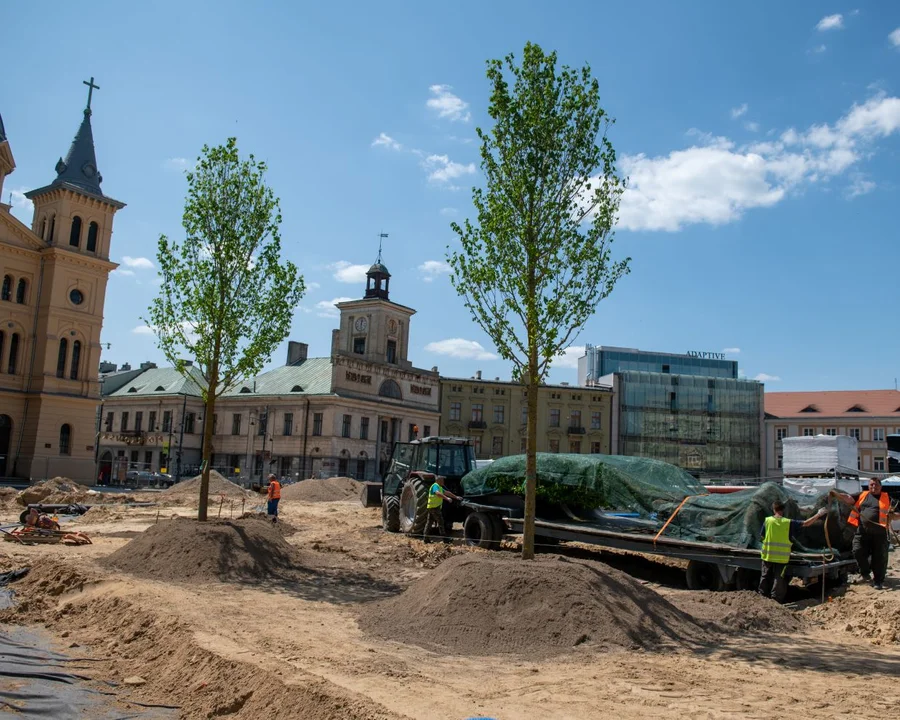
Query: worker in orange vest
column 870, row 514
column 274, row 495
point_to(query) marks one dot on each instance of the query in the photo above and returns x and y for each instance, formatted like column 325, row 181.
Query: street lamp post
column 181, row 437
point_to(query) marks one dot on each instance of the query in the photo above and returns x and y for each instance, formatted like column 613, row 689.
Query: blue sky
column 761, row 142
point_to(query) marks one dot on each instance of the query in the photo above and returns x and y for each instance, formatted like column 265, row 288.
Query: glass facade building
column 600, row 361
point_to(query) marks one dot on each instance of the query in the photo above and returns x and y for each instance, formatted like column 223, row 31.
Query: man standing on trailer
column 777, row 539
column 870, row 514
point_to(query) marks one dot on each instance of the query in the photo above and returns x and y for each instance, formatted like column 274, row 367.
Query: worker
column 437, row 493
column 274, row 495
column 870, row 514
column 777, row 538
column 40, row 521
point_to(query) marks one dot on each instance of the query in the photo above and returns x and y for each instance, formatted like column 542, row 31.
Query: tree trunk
column 531, row 387
column 207, row 444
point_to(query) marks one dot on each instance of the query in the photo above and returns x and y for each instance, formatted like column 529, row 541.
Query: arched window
column 65, row 439
column 93, row 229
column 43, row 228
column 61, row 358
column 75, row 235
column 6, row 291
column 13, row 354
column 52, row 229
column 76, row 359
column 2, row 343
column 390, row 389
column 20, row 291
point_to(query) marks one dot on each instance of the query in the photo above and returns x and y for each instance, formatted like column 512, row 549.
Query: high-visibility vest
column 434, row 500
column 884, row 506
column 274, row 490
column 776, row 545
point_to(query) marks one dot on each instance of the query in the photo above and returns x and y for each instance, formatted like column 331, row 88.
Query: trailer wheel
column 480, row 531
column 746, row 579
column 390, row 513
column 499, row 527
column 413, row 506
column 703, row 576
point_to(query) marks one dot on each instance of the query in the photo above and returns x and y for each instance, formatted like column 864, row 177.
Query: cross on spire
column 91, row 88
column 381, row 236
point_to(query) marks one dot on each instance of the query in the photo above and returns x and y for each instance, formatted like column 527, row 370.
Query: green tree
column 226, row 299
column 537, row 263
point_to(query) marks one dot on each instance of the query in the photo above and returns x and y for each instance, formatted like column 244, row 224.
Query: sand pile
column 864, row 613
column 743, row 611
column 218, row 485
column 336, row 488
column 184, row 549
column 485, row 604
column 58, row 490
column 100, row 514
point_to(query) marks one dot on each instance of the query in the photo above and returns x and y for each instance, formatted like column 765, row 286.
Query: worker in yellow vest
column 777, row 539
column 870, row 514
column 437, row 493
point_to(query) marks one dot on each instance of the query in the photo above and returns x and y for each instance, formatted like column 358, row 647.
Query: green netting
column 589, row 487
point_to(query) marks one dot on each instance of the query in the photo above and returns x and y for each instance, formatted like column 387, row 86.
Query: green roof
column 162, row 381
column 308, row 377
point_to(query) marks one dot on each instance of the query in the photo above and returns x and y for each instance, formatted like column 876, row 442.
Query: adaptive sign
column 706, row 355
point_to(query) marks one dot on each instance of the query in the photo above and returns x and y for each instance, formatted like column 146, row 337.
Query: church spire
column 2, row 130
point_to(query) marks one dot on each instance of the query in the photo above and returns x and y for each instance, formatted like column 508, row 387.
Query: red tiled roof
column 834, row 403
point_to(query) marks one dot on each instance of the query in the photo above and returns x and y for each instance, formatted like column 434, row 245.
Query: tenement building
column 54, row 277
column 494, row 414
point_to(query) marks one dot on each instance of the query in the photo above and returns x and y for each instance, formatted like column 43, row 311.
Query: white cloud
column 431, row 269
column 442, row 169
column 569, row 358
column 20, row 202
column 348, row 273
column 715, row 181
column 384, row 140
column 178, row 164
column 830, row 22
column 141, row 263
column 449, row 211
column 894, row 37
column 819, row 49
column 732, row 351
column 764, row 377
column 123, row 272
column 327, row 308
column 310, row 286
column 459, row 348
column 752, row 126
column 859, row 186
column 448, row 105
column 143, row 330
column 739, row 110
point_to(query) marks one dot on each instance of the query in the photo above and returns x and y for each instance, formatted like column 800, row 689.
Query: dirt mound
column 100, row 514
column 744, row 611
column 55, row 487
column 218, row 485
column 480, row 604
column 863, row 612
column 40, row 589
column 183, row 549
column 336, row 488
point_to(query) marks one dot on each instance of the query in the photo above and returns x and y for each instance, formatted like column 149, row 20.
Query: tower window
column 52, row 229
column 13, row 353
column 61, row 358
column 392, row 351
column 43, row 228
column 65, row 439
column 76, row 359
column 21, row 288
column 359, row 345
column 6, row 291
column 75, row 235
column 93, row 229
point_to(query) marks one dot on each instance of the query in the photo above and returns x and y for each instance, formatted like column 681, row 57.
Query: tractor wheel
column 704, row 576
column 390, row 513
column 499, row 527
column 480, row 531
column 413, row 506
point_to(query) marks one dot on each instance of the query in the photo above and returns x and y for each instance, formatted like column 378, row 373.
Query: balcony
column 477, row 425
column 576, row 430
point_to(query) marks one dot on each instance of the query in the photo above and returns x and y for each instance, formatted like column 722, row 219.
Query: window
column 878, row 463
column 52, row 234
column 455, row 410
column 476, row 442
column 109, row 421
column 384, row 431
column 596, row 420
column 138, row 421
column 2, row 338
column 134, row 457
column 780, row 462
column 151, row 422
column 809, row 432
column 235, row 423
column 6, row 291
column 75, row 234
column 364, row 428
column 317, row 424
column 167, row 421
column 345, row 426
column 575, row 419
column 359, row 345
column 61, row 358
column 853, row 432
column 411, row 432
column 289, row 423
column 832, row 432
column 665, row 368
column 93, row 229
column 65, row 439
column 13, row 354
column 554, row 445
column 427, row 431
column 781, row 433
column 148, row 459
column 673, row 402
column 477, row 412
column 523, row 445
column 124, row 424
column 878, row 434
column 595, row 448
column 575, row 446
column 392, row 351
column 390, row 389
column 499, row 413
column 497, row 445
column 20, row 291
column 189, row 423
column 262, row 424
column 76, row 360
column 524, row 414
column 361, row 469
column 554, row 418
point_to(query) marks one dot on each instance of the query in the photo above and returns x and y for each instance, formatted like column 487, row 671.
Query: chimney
column 107, row 367
column 297, row 352
column 478, row 374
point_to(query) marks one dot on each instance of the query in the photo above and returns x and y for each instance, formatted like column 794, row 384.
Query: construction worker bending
column 870, row 514
column 273, row 494
column 777, row 539
column 437, row 493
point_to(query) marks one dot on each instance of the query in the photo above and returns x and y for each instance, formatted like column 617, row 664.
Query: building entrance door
column 5, row 442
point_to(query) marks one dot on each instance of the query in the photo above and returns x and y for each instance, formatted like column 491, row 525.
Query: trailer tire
column 747, row 579
column 390, row 513
column 480, row 531
column 413, row 506
column 703, row 576
column 499, row 527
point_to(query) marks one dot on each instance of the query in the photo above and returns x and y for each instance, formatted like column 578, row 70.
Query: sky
column 760, row 141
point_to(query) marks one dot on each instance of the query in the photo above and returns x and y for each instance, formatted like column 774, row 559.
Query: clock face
column 361, row 324
column 76, row 296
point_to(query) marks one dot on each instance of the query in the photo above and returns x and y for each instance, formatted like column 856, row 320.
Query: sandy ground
column 216, row 649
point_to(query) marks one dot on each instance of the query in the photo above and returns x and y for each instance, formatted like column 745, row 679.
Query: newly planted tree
column 537, row 261
column 226, row 298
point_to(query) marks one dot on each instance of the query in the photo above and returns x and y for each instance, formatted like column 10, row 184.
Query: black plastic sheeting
column 36, row 682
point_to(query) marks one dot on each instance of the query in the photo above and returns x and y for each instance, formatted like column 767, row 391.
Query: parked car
column 147, row 478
